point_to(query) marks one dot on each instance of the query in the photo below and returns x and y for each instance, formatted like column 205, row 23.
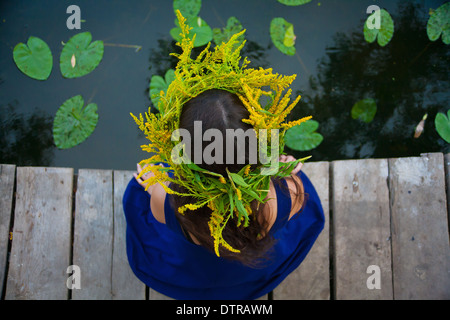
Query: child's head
column 222, row 110
column 219, row 110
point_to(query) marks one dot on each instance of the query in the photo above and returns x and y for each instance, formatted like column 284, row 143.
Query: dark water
column 335, row 67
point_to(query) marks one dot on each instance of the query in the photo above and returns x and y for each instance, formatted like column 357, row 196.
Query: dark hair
column 220, row 109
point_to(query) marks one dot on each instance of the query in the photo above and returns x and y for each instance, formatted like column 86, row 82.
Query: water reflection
column 25, row 140
column 407, row 78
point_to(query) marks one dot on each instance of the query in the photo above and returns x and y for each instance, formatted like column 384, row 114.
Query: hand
column 289, row 158
column 144, row 177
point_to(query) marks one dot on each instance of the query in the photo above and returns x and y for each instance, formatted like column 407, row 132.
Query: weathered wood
column 125, row 285
column 447, row 184
column 361, row 220
column 93, row 234
column 311, row 280
column 7, row 176
column 420, row 241
column 40, row 252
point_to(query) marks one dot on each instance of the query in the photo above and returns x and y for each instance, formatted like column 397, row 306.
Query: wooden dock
column 386, row 234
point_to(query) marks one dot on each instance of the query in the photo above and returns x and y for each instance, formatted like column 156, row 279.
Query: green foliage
column 190, row 10
column 73, row 123
column 293, row 2
column 158, row 84
column 223, row 35
column 442, row 124
column 364, row 110
column 386, row 31
column 282, row 34
column 79, row 56
column 304, row 136
column 34, row 58
column 439, row 23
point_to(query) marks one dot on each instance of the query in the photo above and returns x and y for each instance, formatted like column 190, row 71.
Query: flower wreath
column 227, row 195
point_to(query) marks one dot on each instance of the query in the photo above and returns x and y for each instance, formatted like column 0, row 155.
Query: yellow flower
column 222, row 180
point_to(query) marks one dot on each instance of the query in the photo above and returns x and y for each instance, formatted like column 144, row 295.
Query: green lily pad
column 282, row 34
column 439, row 23
column 199, row 27
column 34, row 58
column 73, row 123
column 79, row 56
column 188, row 8
column 293, row 2
column 158, row 84
column 364, row 110
column 223, row 35
column 303, row 137
column 386, row 31
column 442, row 124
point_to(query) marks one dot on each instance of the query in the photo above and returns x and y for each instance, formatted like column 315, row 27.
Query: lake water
column 335, row 68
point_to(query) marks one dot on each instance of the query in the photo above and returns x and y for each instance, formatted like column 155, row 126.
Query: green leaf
column 442, row 124
column 158, row 84
column 87, row 55
column 364, row 110
column 282, row 33
column 73, row 123
column 238, row 179
column 386, row 31
column 223, row 35
column 303, row 136
column 439, row 23
column 34, row 58
column 188, row 8
column 199, row 26
column 293, row 2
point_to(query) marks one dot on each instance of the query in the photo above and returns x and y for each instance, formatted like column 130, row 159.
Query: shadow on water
column 407, row 78
column 25, row 140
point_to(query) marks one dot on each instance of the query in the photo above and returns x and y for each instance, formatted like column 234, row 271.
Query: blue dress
column 162, row 258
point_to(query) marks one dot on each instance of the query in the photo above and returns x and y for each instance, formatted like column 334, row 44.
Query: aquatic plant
column 439, row 24
column 80, row 56
column 303, row 137
column 73, row 122
column 293, row 2
column 34, row 58
column 364, row 110
column 282, row 35
column 158, row 84
column 223, row 35
column 383, row 34
column 190, row 10
column 442, row 124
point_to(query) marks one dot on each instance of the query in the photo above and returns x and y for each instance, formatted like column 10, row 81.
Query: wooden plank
column 93, row 234
column 447, row 183
column 311, row 280
column 40, row 252
column 125, row 285
column 361, row 221
column 420, row 241
column 7, row 176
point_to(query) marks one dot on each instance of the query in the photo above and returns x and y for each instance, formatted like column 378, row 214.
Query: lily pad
column 158, row 84
column 73, row 123
column 439, row 23
column 223, row 35
column 87, row 55
column 282, row 34
column 188, row 8
column 34, row 58
column 303, row 137
column 386, row 31
column 364, row 110
column 293, row 2
column 199, row 26
column 442, row 124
